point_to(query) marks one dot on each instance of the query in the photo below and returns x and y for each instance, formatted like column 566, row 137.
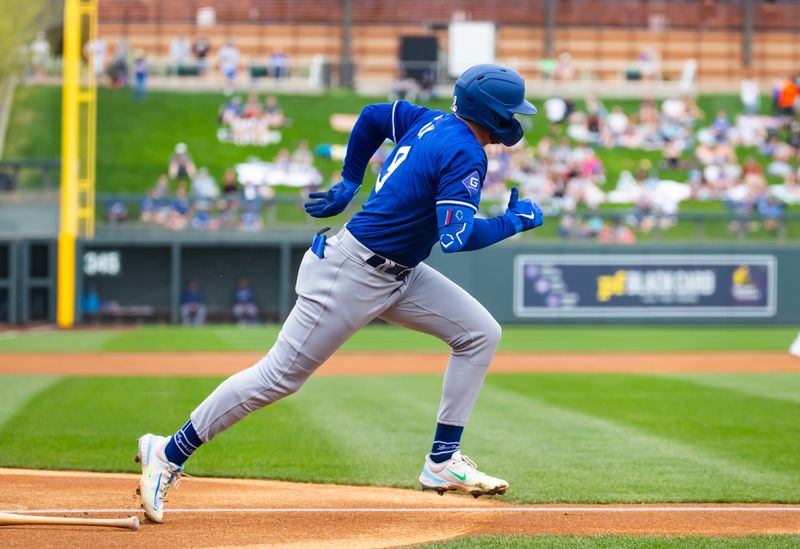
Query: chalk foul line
column 686, row 509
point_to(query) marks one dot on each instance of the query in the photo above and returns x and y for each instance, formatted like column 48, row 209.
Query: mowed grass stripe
column 382, row 428
column 277, row 442
column 93, row 423
column 371, row 431
column 585, row 456
column 387, row 338
column 775, row 386
column 168, row 339
column 680, row 411
column 55, row 341
column 535, row 430
column 16, row 391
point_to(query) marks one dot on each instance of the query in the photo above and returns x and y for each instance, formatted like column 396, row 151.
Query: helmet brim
column 526, row 107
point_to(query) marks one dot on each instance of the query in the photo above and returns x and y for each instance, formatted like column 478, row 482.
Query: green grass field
column 566, row 438
column 585, row 438
column 555, row 437
column 379, row 338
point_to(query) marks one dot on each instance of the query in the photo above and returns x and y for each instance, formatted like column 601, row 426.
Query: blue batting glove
column 333, row 201
column 525, row 215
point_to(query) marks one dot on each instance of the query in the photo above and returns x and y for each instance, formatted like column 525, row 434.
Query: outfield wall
column 139, row 279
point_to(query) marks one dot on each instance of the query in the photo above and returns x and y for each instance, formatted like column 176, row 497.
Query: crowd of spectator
column 563, row 172
column 185, row 196
column 698, row 160
column 250, row 122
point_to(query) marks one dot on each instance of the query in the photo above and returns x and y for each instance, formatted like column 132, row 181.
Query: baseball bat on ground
column 13, row 519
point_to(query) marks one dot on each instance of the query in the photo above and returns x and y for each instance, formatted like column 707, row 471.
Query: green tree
column 18, row 26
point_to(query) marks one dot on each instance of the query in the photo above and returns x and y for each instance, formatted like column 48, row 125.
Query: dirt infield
column 222, row 512
column 207, row 364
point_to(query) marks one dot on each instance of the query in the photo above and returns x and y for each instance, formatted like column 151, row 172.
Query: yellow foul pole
column 78, row 119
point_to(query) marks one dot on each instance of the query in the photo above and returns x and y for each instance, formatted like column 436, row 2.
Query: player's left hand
column 524, row 212
column 332, row 202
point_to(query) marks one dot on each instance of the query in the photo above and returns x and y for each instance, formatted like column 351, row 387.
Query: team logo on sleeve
column 473, row 183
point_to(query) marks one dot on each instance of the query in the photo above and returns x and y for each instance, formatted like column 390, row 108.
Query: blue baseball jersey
column 436, row 161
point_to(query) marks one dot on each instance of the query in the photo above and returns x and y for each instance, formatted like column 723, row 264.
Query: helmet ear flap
column 510, row 135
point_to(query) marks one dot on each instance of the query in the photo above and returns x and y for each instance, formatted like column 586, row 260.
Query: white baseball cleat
column 459, row 473
column 158, row 475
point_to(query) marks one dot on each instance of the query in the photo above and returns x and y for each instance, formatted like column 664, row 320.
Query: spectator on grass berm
column 204, row 195
column 155, row 207
column 179, row 51
column 117, row 212
column 283, row 160
column 721, row 127
column 179, row 209
column 672, row 156
column 556, row 109
column 648, row 64
column 279, row 62
column 302, row 155
column 204, row 187
column 617, row 233
column 786, row 97
column 648, row 112
column 140, row 75
column 230, row 185
column 118, row 69
column 40, row 54
column 193, row 308
column 96, row 51
column 201, row 49
column 252, row 109
column 770, row 209
column 750, row 94
column 251, row 217
column 161, row 188
column 230, row 111
column 181, row 165
column 227, row 215
column 274, row 113
column 228, row 65
column 783, row 156
column 203, row 219
column 788, row 192
column 404, row 87
column 147, row 208
column 245, row 310
column 565, row 70
column 616, row 126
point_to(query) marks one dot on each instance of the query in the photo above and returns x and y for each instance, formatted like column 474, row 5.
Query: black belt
column 385, row 266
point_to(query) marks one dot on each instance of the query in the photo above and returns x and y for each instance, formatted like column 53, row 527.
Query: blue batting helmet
column 490, row 95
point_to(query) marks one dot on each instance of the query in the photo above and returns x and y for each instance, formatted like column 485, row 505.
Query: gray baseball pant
column 339, row 295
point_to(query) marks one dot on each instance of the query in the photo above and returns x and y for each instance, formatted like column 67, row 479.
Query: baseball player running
column 428, row 191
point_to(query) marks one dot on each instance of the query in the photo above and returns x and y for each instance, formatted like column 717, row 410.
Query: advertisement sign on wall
column 629, row 286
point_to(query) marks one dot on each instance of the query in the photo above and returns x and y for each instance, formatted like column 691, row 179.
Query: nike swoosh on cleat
column 462, row 478
column 155, row 496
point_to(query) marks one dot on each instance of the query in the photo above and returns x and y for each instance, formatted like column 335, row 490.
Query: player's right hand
column 524, row 213
column 332, row 202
